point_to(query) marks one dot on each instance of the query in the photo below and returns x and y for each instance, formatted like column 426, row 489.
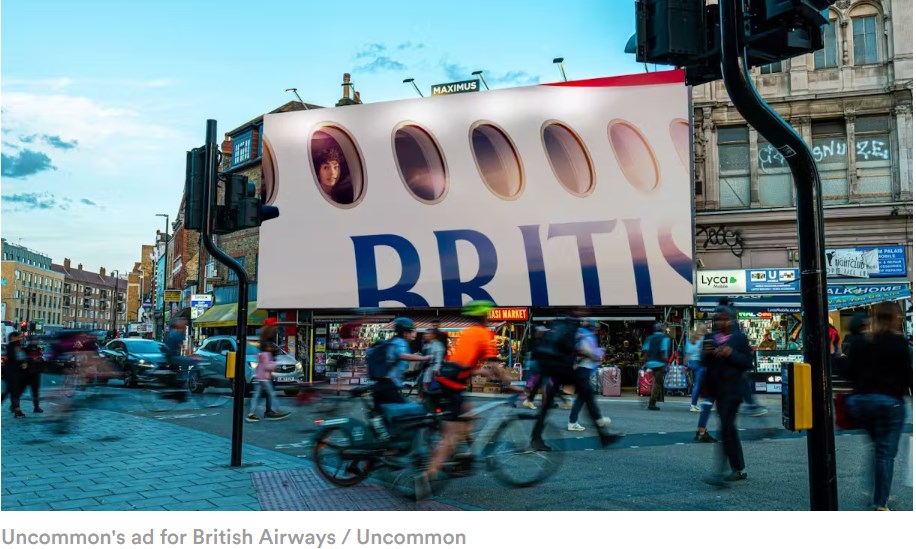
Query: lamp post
column 482, row 79
column 410, row 81
column 114, row 307
column 559, row 62
column 165, row 270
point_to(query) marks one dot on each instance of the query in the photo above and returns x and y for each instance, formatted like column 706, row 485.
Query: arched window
column 826, row 58
column 866, row 26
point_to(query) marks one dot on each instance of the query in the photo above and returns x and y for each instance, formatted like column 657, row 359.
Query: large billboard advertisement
column 568, row 194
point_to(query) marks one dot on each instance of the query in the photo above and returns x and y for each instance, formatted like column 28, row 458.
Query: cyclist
column 387, row 390
column 475, row 349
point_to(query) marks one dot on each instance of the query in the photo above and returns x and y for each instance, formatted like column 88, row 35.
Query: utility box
column 797, row 406
column 230, row 365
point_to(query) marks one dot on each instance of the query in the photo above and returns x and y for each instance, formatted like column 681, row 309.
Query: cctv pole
column 238, row 383
column 822, row 482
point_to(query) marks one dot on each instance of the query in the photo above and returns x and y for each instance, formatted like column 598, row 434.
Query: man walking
column 589, row 357
column 655, row 353
column 14, row 372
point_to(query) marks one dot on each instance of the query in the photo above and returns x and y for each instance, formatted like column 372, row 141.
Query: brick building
column 32, row 290
column 87, row 298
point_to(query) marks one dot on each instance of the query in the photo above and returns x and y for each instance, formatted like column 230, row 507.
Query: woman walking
column 693, row 349
column 267, row 363
column 881, row 371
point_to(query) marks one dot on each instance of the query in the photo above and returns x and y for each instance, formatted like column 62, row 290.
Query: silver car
column 211, row 370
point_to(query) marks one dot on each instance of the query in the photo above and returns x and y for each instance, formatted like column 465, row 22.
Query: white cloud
column 112, row 139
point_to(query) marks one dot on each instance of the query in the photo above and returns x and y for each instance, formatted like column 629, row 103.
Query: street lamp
column 296, row 91
column 114, row 307
column 165, row 269
column 559, row 62
column 482, row 79
column 410, row 81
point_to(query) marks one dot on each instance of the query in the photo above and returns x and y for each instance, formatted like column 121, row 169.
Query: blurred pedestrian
column 31, row 377
column 267, row 363
column 590, row 355
column 14, row 372
column 727, row 356
column 858, row 325
column 655, row 354
column 435, row 349
column 693, row 349
column 881, row 371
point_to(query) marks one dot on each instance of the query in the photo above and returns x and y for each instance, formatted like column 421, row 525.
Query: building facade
column 92, row 300
column 852, row 103
column 32, row 291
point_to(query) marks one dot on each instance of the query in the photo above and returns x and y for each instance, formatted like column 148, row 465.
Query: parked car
column 137, row 360
column 211, row 371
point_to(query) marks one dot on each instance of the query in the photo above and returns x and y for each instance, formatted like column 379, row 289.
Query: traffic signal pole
column 812, row 260
column 208, row 210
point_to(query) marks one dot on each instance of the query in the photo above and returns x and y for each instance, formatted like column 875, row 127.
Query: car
column 211, row 370
column 137, row 360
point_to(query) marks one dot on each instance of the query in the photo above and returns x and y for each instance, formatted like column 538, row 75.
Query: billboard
column 576, row 193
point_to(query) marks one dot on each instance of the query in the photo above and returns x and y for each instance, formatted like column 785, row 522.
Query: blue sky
column 101, row 99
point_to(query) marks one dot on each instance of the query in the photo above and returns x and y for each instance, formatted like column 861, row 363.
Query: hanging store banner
column 576, row 193
column 867, row 262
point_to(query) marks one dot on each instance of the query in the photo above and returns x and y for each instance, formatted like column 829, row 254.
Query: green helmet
column 478, row 308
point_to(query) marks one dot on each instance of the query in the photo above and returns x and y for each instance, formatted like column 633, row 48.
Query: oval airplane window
column 569, row 159
column 269, row 175
column 337, row 166
column 680, row 135
column 497, row 160
column 420, row 163
column 634, row 155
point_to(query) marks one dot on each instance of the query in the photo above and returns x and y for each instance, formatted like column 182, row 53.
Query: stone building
column 32, row 291
column 88, row 298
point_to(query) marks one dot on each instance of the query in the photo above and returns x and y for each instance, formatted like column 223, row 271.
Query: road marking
column 662, row 433
column 678, row 443
column 187, row 416
column 634, row 446
column 300, row 444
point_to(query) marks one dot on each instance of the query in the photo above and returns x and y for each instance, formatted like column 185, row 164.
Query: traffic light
column 241, row 208
column 686, row 33
column 23, row 326
column 195, row 172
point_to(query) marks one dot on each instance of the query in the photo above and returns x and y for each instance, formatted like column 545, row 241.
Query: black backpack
column 377, row 360
column 555, row 353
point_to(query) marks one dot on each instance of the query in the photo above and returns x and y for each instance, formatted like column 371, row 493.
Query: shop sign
column 722, row 282
column 463, row 86
column 172, row 296
column 867, row 262
column 508, row 314
column 841, row 296
column 770, row 281
column 420, row 222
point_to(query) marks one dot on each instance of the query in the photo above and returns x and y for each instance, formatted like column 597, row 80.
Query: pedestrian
column 387, row 389
column 727, row 356
column 858, row 325
column 693, row 348
column 31, row 377
column 590, row 355
column 267, row 363
column 881, row 371
column 655, row 354
column 768, row 343
column 435, row 349
column 14, row 372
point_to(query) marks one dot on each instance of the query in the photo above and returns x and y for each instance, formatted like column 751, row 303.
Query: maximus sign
column 464, row 86
column 569, row 194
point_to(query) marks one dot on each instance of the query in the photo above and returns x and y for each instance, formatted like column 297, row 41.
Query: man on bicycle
column 475, row 349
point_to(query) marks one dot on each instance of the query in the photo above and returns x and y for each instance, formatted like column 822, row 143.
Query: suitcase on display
column 610, row 381
column 646, row 380
column 676, row 379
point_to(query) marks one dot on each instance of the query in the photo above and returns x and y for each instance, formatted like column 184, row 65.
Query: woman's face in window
column 329, row 173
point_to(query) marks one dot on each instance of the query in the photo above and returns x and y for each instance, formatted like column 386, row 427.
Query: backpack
column 556, row 352
column 377, row 359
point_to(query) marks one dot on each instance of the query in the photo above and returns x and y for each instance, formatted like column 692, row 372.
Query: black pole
column 238, row 401
column 821, row 446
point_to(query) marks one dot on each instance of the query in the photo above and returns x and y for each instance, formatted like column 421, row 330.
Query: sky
column 99, row 100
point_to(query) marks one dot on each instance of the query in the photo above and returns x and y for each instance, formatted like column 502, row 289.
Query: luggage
column 610, row 381
column 646, row 380
column 676, row 379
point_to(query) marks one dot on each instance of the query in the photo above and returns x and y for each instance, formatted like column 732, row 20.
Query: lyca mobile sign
column 518, row 196
column 722, row 282
column 463, row 86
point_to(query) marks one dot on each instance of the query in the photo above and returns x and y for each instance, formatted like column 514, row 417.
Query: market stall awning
column 446, row 323
column 839, row 296
column 226, row 315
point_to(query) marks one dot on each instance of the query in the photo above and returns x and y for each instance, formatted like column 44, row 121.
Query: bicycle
column 346, row 451
column 317, row 405
column 183, row 387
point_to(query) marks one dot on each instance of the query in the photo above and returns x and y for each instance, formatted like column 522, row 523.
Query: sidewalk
column 118, row 462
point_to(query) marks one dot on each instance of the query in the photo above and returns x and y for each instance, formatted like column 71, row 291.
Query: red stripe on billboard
column 645, row 79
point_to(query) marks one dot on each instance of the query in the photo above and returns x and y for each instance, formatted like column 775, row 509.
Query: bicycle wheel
column 511, row 459
column 205, row 394
column 405, row 469
column 334, row 457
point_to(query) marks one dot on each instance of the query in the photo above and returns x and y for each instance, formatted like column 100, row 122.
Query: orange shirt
column 475, row 344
